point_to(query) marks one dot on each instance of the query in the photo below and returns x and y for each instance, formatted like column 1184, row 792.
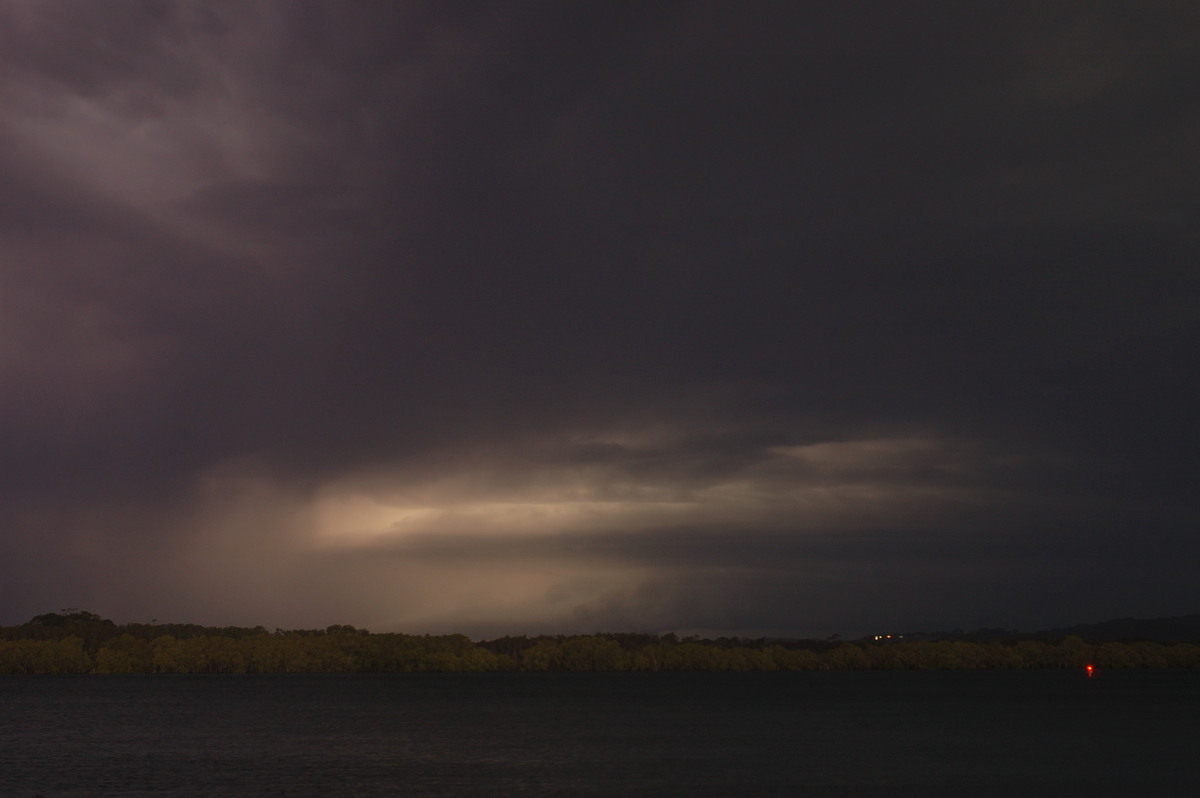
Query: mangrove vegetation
column 82, row 642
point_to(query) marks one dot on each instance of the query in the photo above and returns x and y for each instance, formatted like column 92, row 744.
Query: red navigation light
column 1091, row 670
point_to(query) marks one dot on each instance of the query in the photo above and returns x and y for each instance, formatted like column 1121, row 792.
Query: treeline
column 85, row 643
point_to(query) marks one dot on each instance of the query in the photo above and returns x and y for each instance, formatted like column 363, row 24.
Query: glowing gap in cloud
column 826, row 485
column 356, row 520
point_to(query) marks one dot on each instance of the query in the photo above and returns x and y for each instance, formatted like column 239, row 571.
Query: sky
column 765, row 318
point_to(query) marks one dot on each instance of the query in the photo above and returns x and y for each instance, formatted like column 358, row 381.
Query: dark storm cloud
column 672, row 315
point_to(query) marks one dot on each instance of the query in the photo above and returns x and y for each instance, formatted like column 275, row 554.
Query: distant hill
column 1181, row 629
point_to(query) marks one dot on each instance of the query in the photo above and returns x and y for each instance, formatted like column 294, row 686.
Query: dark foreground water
column 839, row 733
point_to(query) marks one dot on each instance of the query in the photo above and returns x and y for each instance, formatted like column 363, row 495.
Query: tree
column 846, row 656
column 125, row 654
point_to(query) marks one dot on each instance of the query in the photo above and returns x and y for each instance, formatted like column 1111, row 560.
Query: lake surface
column 874, row 733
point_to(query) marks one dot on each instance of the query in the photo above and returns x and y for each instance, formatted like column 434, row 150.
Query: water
column 686, row 734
